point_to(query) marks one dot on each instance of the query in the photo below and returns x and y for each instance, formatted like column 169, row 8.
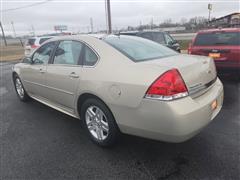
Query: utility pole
column 91, row 24
column 109, row 17
column 5, row 42
column 33, row 30
column 209, row 12
column 151, row 23
column 15, row 35
column 14, row 32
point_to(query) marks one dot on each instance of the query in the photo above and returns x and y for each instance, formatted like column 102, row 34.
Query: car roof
column 82, row 37
column 144, row 31
column 219, row 30
column 85, row 37
column 39, row 37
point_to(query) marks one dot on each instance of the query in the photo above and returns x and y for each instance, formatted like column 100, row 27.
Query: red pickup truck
column 223, row 45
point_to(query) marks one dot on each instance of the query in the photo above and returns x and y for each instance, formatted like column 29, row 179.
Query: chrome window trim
column 81, row 41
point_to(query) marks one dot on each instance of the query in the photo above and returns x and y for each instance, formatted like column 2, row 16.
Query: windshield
column 139, row 49
column 218, row 39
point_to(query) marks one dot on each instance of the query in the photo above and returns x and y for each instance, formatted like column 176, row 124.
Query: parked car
column 122, row 84
column 160, row 37
column 34, row 42
column 223, row 45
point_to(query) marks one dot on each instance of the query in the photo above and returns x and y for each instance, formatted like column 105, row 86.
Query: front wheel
column 99, row 122
column 21, row 93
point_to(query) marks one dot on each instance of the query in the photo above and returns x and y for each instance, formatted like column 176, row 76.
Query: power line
column 26, row 6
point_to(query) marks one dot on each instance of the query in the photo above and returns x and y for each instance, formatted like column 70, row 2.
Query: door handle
column 41, row 70
column 73, row 75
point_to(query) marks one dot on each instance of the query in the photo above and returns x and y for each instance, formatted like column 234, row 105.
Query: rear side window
column 30, row 42
column 90, row 58
column 158, row 37
column 43, row 40
column 218, row 39
column 147, row 35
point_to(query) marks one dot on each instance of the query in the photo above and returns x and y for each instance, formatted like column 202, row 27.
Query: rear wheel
column 21, row 93
column 99, row 122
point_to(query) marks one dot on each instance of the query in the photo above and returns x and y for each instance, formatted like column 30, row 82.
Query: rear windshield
column 139, row 49
column 30, row 41
column 43, row 40
column 218, row 39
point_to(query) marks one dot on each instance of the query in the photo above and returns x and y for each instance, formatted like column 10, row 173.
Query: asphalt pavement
column 40, row 143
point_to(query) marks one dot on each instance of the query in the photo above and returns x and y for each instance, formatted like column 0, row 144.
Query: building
column 230, row 20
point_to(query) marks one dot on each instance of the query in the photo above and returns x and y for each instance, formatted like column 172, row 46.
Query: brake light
column 168, row 86
column 34, row 46
column 190, row 48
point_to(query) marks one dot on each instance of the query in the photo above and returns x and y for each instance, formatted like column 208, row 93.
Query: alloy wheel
column 97, row 123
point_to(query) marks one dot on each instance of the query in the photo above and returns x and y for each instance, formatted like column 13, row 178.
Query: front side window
column 169, row 39
column 139, row 49
column 68, row 52
column 43, row 54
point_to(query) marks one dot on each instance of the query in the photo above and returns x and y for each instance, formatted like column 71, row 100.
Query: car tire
column 21, row 92
column 99, row 123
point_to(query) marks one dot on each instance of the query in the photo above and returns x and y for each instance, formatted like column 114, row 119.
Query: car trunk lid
column 197, row 72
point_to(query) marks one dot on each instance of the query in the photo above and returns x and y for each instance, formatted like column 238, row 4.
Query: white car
column 33, row 43
column 123, row 84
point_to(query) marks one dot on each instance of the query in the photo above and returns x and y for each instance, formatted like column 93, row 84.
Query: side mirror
column 27, row 60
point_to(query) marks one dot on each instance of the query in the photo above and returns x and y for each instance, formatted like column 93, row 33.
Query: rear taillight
column 34, row 46
column 190, row 48
column 168, row 86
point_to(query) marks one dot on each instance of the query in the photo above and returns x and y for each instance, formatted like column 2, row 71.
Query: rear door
column 64, row 73
column 223, row 47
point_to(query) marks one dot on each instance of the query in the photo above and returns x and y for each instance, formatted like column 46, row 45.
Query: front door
column 35, row 73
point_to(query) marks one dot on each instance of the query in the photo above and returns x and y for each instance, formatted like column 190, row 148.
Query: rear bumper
column 227, row 64
column 173, row 121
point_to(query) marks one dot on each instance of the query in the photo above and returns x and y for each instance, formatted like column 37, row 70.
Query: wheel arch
column 83, row 97
column 14, row 74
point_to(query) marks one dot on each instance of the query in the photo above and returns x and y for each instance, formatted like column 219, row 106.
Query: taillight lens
column 168, row 86
column 190, row 48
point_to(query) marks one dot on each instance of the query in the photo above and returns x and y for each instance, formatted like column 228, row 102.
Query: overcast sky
column 76, row 14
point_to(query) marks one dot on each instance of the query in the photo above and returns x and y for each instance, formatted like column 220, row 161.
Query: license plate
column 214, row 55
column 214, row 105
